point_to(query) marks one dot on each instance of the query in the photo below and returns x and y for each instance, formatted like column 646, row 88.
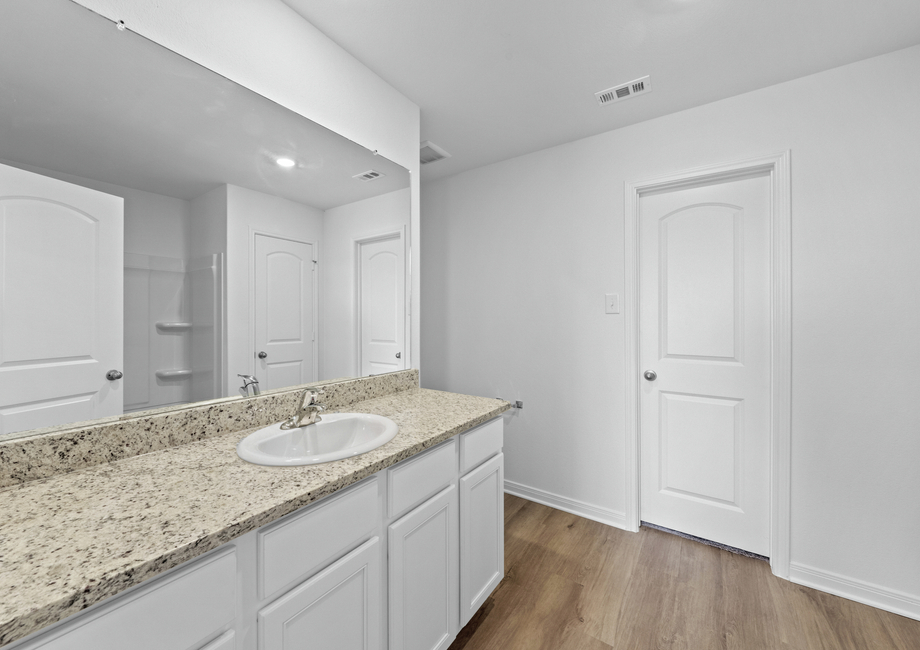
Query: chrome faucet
column 307, row 413
column 249, row 380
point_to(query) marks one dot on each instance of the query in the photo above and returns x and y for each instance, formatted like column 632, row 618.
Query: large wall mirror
column 164, row 230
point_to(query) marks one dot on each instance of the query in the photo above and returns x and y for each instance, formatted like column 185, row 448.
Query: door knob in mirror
column 263, row 355
column 112, row 375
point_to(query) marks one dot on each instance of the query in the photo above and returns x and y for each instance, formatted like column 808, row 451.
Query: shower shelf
column 179, row 373
column 173, row 326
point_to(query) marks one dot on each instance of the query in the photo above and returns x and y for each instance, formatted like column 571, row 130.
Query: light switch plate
column 612, row 303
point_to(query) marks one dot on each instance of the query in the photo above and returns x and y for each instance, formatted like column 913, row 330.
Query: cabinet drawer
column 412, row 481
column 177, row 612
column 480, row 443
column 293, row 548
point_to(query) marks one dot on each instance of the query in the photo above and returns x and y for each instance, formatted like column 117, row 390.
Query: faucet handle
column 309, row 397
column 308, row 410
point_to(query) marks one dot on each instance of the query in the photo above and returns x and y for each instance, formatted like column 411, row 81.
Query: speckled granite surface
column 69, row 541
column 48, row 452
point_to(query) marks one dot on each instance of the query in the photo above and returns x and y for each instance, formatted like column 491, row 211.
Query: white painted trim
column 580, row 508
column 781, row 371
column 867, row 593
column 407, row 307
column 222, row 345
column 407, row 234
column 778, row 168
column 631, row 332
column 396, row 233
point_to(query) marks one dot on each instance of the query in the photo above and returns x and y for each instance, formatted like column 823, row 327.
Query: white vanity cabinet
column 298, row 545
column 482, row 539
column 398, row 561
column 339, row 607
column 423, row 551
column 482, row 516
column 444, row 561
column 423, row 575
column 191, row 608
column 325, row 560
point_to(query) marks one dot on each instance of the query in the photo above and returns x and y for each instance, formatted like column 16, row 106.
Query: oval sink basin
column 336, row 436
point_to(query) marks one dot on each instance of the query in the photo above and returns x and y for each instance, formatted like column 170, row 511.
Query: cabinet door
column 423, row 575
column 338, row 608
column 482, row 535
column 226, row 641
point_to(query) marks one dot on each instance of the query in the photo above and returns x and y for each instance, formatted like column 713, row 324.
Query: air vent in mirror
column 369, row 175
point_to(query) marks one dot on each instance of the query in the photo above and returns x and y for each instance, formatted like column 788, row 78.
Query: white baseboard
column 862, row 592
column 580, row 508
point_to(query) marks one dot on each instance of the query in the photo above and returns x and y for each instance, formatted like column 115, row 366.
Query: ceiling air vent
column 369, row 175
column 624, row 91
column 429, row 153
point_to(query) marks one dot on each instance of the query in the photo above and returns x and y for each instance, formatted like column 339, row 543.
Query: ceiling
column 500, row 78
column 79, row 96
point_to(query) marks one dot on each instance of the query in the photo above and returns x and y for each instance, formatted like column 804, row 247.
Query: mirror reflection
column 168, row 236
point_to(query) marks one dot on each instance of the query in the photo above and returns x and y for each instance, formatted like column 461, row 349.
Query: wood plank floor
column 575, row 584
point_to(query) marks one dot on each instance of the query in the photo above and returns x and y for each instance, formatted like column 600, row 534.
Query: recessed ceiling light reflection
column 285, row 162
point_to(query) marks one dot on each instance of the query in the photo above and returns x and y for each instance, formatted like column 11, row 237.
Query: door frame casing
column 777, row 167
column 400, row 233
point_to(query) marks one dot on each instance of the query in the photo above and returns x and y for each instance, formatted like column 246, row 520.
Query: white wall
column 208, row 223
column 342, row 225
column 154, row 224
column 266, row 46
column 518, row 256
column 248, row 210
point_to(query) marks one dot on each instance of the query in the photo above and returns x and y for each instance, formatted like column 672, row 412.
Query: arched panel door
column 284, row 312
column 704, row 332
column 61, row 302
column 382, row 305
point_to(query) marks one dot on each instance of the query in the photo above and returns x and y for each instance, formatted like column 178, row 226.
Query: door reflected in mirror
column 163, row 222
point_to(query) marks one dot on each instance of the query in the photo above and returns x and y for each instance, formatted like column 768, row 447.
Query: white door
column 337, row 609
column 423, row 568
column 284, row 312
column 382, row 305
column 704, row 351
column 61, row 315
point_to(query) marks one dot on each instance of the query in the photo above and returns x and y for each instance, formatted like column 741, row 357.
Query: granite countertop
column 72, row 540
